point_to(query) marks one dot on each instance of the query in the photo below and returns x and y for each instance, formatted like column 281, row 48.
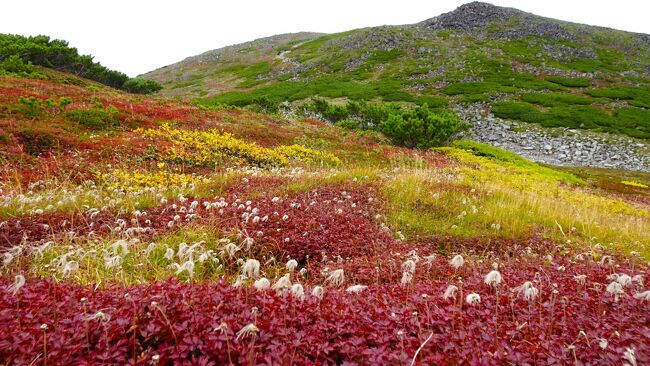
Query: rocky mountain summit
column 478, row 16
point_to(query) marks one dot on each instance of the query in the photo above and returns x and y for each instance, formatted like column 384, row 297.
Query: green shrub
column 64, row 102
column 431, row 101
column 15, row 65
column 30, row 107
column 637, row 96
column 141, row 86
column 630, row 120
column 516, row 110
column 57, row 54
column 94, row 119
column 265, row 105
column 633, row 121
column 368, row 115
column 422, row 127
column 555, row 99
column 348, row 124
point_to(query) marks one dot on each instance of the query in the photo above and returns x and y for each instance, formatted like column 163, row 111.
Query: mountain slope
column 183, row 78
column 139, row 230
column 589, row 77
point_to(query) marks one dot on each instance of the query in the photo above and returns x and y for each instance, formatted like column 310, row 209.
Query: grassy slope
column 133, row 232
column 596, row 79
column 447, row 191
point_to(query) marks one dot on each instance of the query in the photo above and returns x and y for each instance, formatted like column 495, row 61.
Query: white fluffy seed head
column 318, row 292
column 291, row 264
column 251, row 268
column 624, row 280
column 188, row 267
column 457, row 261
column 19, row 282
column 356, row 288
column 450, row 292
column 70, row 268
column 248, row 330
column 282, row 284
column 262, row 284
column 298, row 291
column 408, row 266
column 629, row 356
column 231, row 249
column 407, row 277
column 336, row 277
column 169, row 254
column 603, row 343
column 493, row 278
column 473, row 299
column 531, row 293
column 580, row 279
column 615, row 289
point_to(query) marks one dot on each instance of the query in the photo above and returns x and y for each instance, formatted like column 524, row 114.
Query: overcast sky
column 136, row 36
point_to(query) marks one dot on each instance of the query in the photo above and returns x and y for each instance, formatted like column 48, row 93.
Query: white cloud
column 138, row 36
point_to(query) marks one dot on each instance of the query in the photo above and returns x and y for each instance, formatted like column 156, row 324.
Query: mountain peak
column 472, row 16
column 477, row 16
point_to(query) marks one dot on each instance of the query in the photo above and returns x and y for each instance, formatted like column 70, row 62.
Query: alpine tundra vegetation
column 343, row 199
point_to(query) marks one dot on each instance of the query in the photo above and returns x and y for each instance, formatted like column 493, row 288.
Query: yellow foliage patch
column 214, row 148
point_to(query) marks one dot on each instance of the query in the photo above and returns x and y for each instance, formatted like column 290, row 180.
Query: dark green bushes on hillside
column 326, row 87
column 367, row 115
column 58, row 55
column 94, row 119
column 32, row 108
column 422, row 127
column 632, row 121
column 636, row 96
column 141, row 86
column 15, row 65
column 555, row 99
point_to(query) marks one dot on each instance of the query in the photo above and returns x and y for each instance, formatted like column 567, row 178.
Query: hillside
column 482, row 60
column 141, row 230
column 26, row 56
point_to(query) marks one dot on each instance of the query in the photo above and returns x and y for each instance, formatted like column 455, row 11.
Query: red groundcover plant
column 174, row 323
column 544, row 305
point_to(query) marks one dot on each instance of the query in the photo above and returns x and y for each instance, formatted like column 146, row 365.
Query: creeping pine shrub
column 422, row 127
column 141, row 86
column 30, row 107
column 348, row 124
column 94, row 119
column 367, row 115
column 266, row 105
column 14, row 64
